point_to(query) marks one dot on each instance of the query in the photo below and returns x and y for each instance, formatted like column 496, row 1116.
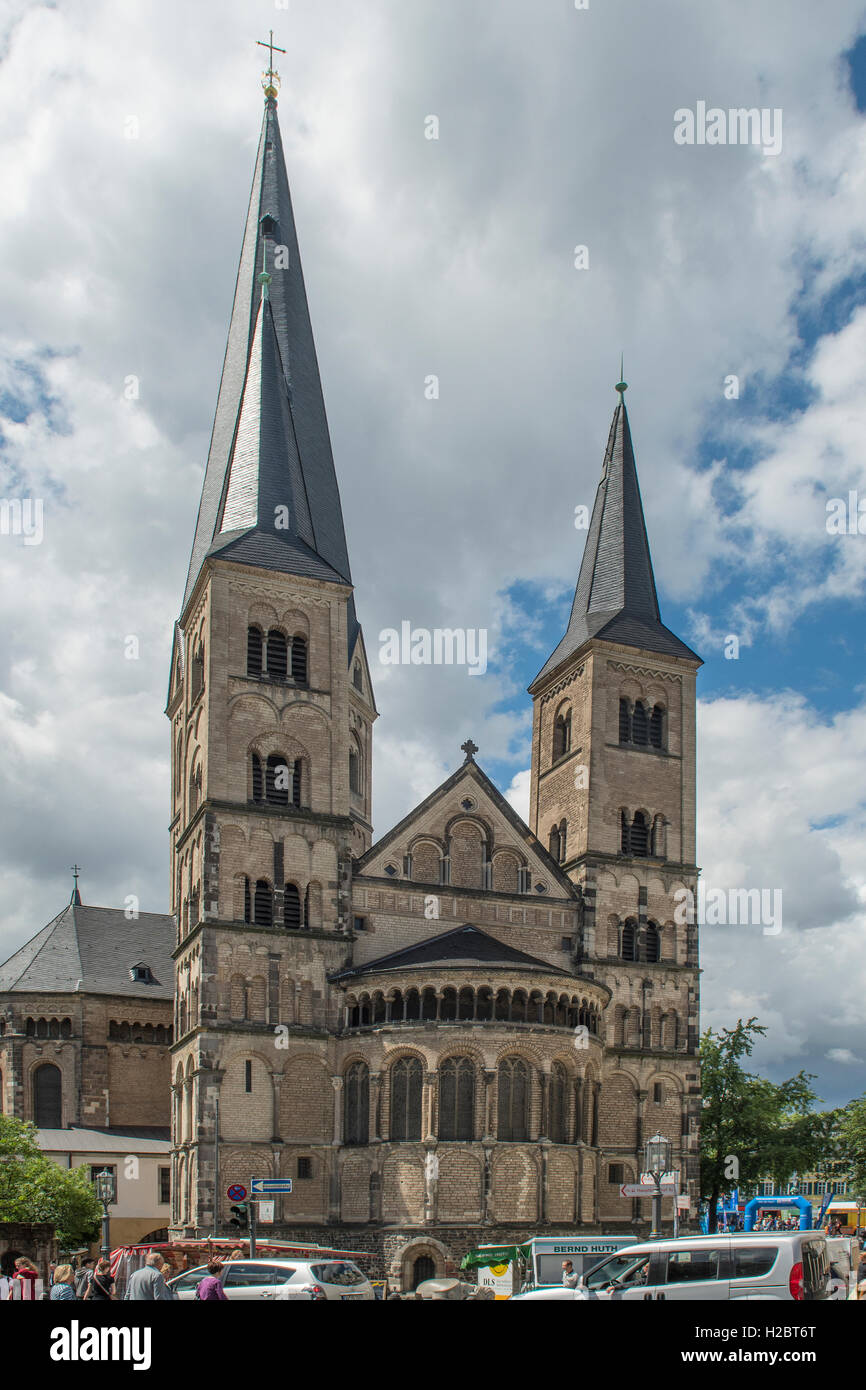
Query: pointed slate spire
column 616, row 596
column 270, row 495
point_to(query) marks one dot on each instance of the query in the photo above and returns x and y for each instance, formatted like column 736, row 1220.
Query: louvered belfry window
column 263, row 904
column 640, row 726
column 639, row 838
column 356, row 1104
column 629, row 940
column 624, row 722
column 513, row 1099
column 406, row 1077
column 653, row 943
column 277, row 784
column 248, row 907
column 292, row 907
column 456, row 1098
column 254, row 651
column 299, row 660
column 558, row 1091
column 278, row 657
column 656, row 728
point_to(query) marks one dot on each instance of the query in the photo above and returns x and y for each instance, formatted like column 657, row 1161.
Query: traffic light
column 241, row 1216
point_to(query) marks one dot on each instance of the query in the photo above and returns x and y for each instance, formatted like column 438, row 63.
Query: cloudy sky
column 128, row 134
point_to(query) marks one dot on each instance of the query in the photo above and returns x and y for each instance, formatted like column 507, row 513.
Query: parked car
column 779, row 1265
column 304, row 1280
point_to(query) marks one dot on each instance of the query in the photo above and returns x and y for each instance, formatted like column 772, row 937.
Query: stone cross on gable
column 470, row 749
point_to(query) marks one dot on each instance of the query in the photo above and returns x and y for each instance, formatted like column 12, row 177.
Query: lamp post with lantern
column 105, row 1192
column 658, row 1154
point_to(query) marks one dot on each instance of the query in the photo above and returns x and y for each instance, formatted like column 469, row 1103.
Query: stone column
column 544, row 1079
column 428, row 1101
column 276, row 1078
column 337, row 1083
column 544, row 1147
column 487, row 1183
column 489, row 1125
column 431, row 1182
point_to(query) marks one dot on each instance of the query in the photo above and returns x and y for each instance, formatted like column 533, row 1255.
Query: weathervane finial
column 622, row 384
column 271, row 78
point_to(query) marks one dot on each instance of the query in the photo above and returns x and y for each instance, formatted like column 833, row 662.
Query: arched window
column 258, row 782
column 553, row 843
column 197, row 672
column 277, row 780
column 299, row 660
column 296, row 783
column 194, row 789
column 513, row 1103
column 263, row 904
column 629, row 939
column 406, row 1100
column 640, row 725
column 563, row 841
column 624, row 835
column 254, row 651
column 277, row 655
column 562, row 734
column 292, row 907
column 558, row 1103
column 357, row 678
column 639, row 837
column 47, row 1097
column 354, row 771
column 653, row 943
column 456, row 1099
column 624, row 722
column 356, row 1104
column 657, row 727
column 248, row 904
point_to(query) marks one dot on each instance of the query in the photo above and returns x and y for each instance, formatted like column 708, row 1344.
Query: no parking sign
column 237, row 1192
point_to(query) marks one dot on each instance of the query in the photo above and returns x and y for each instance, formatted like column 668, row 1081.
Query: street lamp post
column 106, row 1194
column 657, row 1161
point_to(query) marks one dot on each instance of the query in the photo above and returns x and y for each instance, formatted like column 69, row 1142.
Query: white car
column 282, row 1279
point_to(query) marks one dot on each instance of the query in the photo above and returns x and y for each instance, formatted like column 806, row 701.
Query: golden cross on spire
column 271, row 78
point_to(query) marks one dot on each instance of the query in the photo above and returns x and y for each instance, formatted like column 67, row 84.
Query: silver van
column 778, row 1265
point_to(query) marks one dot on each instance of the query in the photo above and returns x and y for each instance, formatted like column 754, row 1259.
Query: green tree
column 752, row 1128
column 33, row 1188
column 851, row 1143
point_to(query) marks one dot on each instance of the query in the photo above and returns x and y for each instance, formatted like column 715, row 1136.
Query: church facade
column 461, row 1033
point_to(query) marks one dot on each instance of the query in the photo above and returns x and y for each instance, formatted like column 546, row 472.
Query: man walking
column 148, row 1285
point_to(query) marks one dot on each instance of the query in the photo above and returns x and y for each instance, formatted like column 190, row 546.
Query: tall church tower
column 613, row 799
column 271, row 712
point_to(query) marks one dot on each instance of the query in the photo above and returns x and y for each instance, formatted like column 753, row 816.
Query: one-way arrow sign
column 263, row 1187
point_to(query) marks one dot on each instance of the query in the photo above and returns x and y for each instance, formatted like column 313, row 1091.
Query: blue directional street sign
column 265, row 1187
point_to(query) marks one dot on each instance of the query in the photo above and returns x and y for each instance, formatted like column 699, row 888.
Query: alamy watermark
column 730, row 907
column 739, row 125
column 22, row 517
column 441, row 646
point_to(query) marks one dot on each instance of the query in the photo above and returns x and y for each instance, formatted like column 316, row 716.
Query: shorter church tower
column 613, row 800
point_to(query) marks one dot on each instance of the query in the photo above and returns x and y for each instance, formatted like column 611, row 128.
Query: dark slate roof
column 270, row 444
column 616, row 596
column 89, row 950
column 465, row 945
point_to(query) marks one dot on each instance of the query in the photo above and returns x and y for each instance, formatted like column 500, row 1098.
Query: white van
column 779, row 1265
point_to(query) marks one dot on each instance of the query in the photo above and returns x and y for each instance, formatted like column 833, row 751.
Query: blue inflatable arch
column 753, row 1207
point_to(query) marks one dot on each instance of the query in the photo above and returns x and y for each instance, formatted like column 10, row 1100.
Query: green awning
column 494, row 1255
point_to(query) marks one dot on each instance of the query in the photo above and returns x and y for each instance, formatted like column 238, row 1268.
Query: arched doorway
column 424, row 1267
column 47, row 1097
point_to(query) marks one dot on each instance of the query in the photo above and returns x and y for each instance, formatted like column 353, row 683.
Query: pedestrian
column 211, row 1287
column 100, row 1286
column 7, row 1272
column 24, row 1280
column 82, row 1275
column 569, row 1278
column 861, row 1277
column 63, row 1288
column 147, row 1284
